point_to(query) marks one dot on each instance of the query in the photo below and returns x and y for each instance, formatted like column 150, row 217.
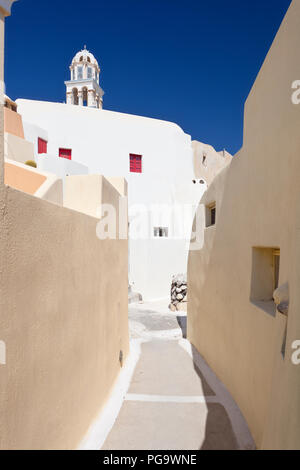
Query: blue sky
column 192, row 62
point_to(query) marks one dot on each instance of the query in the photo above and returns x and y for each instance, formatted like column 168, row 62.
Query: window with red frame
column 42, row 145
column 135, row 163
column 65, row 153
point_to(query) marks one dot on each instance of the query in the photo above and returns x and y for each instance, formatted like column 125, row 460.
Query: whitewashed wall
column 102, row 141
column 32, row 132
column 60, row 166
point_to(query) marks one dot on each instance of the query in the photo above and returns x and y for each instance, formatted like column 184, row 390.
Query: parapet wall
column 13, row 123
column 64, row 321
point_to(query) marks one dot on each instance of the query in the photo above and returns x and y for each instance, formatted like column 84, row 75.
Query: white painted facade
column 102, row 141
column 61, row 167
column 32, row 133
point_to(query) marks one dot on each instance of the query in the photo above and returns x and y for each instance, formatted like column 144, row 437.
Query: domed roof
column 85, row 56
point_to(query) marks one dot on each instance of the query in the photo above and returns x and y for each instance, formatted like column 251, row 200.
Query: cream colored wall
column 33, row 181
column 258, row 205
column 51, row 190
column 17, row 148
column 22, row 179
column 214, row 161
column 83, row 193
column 119, row 183
column 63, row 317
column 86, row 193
column 63, row 296
column 13, row 123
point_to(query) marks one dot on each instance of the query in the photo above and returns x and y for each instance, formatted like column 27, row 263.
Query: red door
column 42, row 145
column 65, row 153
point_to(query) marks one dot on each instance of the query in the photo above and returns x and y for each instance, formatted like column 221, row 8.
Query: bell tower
column 84, row 89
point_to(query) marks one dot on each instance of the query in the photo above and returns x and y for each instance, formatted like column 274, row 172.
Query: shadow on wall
column 182, row 322
column 219, row 434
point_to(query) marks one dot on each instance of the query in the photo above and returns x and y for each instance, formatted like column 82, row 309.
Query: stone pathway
column 174, row 401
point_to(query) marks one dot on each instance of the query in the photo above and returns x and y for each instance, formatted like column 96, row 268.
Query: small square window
column 42, row 145
column 135, row 162
column 161, row 232
column 265, row 273
column 65, row 153
column 211, row 214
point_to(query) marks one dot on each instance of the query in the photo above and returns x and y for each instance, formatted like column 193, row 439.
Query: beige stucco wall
column 33, row 181
column 83, row 193
column 207, row 168
column 258, row 205
column 86, row 193
column 119, row 183
column 13, row 123
column 63, row 317
column 51, row 190
column 63, row 298
column 22, row 179
column 17, row 148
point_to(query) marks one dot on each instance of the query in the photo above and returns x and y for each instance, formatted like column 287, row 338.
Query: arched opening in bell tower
column 85, row 96
column 75, row 96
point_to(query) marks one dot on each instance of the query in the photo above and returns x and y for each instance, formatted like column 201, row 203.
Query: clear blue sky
column 192, row 62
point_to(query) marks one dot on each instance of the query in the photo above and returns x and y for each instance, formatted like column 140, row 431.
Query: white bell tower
column 83, row 89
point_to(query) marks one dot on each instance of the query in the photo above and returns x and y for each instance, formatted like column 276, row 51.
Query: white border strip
column 171, row 398
column 101, row 427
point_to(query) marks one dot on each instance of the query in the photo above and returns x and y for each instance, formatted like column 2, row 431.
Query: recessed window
column 79, row 73
column 161, row 232
column 90, row 72
column 204, row 160
column 135, row 163
column 42, row 145
column 265, row 273
column 211, row 214
column 276, row 266
column 65, row 153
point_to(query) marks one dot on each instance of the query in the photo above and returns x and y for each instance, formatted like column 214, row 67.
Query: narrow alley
column 174, row 400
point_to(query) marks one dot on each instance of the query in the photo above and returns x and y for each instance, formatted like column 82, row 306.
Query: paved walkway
column 174, row 401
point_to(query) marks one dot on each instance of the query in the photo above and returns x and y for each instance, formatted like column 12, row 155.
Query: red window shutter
column 65, row 153
column 135, row 163
column 42, row 145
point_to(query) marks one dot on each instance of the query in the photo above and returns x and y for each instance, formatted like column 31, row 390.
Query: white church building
column 156, row 158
